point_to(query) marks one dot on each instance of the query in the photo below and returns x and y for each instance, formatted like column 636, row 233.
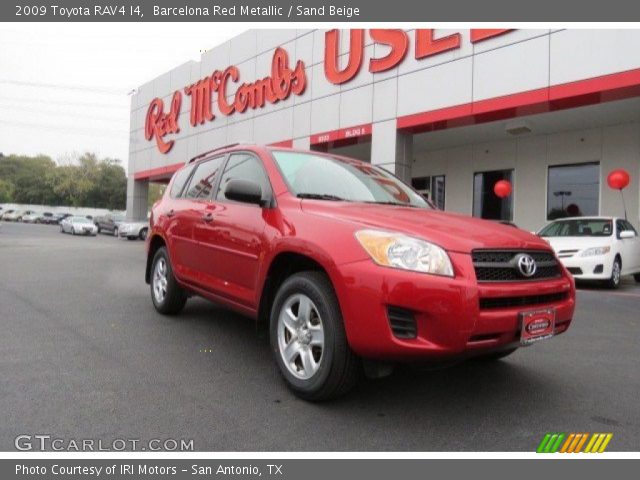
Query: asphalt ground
column 83, row 355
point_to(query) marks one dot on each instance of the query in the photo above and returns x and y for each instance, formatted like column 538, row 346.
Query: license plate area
column 536, row 325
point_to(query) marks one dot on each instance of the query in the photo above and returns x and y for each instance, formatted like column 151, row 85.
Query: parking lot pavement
column 83, row 354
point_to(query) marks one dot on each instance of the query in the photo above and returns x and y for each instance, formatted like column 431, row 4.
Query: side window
column 628, row 226
column 179, row 180
column 246, row 167
column 204, row 179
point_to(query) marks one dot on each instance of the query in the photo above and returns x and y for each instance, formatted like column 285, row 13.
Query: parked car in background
column 348, row 267
column 596, row 248
column 134, row 230
column 58, row 217
column 31, row 217
column 13, row 216
column 24, row 213
column 109, row 223
column 6, row 213
column 46, row 218
column 77, row 225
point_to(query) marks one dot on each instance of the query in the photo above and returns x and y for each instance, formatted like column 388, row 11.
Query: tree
column 83, row 182
column 6, row 191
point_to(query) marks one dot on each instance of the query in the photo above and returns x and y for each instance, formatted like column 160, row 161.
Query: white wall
column 615, row 146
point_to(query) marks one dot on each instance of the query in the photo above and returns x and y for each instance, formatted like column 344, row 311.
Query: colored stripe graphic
column 574, row 442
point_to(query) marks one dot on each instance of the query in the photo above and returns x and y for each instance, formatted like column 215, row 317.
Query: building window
column 431, row 188
column 573, row 190
column 486, row 204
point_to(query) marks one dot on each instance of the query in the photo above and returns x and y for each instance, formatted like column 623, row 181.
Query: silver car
column 134, row 230
column 78, row 226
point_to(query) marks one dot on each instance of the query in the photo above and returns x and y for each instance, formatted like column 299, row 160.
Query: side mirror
column 627, row 234
column 244, row 191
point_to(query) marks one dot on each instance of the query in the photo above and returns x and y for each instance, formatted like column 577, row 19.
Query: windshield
column 330, row 178
column 587, row 227
column 81, row 220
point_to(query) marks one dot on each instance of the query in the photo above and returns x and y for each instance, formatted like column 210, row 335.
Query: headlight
column 407, row 253
column 590, row 252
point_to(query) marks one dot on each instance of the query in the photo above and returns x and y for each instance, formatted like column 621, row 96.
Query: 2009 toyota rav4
column 348, row 266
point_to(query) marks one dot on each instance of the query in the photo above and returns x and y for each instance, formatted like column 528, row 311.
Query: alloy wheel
column 300, row 336
column 160, row 280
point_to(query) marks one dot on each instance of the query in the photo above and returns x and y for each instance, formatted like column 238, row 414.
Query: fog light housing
column 599, row 268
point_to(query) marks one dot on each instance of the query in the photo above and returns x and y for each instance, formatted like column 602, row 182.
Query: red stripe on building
column 606, row 88
column 159, row 173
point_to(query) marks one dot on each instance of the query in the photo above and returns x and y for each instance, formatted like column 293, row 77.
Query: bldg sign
column 286, row 80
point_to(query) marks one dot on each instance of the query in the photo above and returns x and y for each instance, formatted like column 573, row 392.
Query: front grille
column 402, row 322
column 524, row 301
column 501, row 265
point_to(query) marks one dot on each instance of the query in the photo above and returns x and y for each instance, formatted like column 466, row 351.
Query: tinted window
column 578, row 228
column 204, row 179
column 573, row 190
column 246, row 167
column 179, row 180
column 486, row 204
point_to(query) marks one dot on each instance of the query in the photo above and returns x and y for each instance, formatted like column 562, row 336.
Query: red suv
column 348, row 267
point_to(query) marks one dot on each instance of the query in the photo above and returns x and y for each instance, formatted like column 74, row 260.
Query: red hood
column 451, row 231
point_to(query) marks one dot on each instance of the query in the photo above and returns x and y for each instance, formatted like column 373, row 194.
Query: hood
column 577, row 243
column 454, row 232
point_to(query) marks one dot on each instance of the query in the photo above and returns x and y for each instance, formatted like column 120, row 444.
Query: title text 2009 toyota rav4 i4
column 347, row 265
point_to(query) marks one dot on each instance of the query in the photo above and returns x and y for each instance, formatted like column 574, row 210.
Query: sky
column 64, row 88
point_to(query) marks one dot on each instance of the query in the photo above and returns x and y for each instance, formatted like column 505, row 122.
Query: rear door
column 634, row 247
column 233, row 240
column 626, row 248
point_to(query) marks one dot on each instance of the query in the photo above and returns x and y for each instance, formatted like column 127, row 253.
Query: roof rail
column 208, row 152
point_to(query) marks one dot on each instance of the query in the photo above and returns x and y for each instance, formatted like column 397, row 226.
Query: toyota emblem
column 526, row 264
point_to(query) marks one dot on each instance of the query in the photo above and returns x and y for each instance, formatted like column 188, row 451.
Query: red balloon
column 618, row 179
column 502, row 188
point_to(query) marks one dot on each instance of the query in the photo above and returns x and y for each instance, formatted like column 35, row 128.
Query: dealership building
column 553, row 112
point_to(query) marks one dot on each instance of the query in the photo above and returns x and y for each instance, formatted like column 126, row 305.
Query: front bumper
column 454, row 317
column 596, row 267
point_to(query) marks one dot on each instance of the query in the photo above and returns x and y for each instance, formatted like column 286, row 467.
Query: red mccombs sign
column 286, row 80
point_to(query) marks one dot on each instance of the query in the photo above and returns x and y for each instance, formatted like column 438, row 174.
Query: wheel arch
column 155, row 243
column 282, row 266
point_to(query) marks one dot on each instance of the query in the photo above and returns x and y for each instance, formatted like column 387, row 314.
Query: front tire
column 143, row 234
column 614, row 281
column 636, row 277
column 308, row 338
column 115, row 232
column 167, row 296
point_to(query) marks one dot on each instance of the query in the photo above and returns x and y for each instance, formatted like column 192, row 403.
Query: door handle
column 207, row 217
column 170, row 213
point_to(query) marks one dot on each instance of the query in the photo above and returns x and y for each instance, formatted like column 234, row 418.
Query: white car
column 78, row 226
column 31, row 217
column 596, row 248
column 134, row 230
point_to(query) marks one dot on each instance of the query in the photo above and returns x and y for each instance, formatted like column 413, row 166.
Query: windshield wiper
column 321, row 196
column 397, row 204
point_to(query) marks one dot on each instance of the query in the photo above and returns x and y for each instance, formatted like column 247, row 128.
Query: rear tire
column 115, row 232
column 636, row 277
column 143, row 234
column 308, row 338
column 167, row 296
column 614, row 282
